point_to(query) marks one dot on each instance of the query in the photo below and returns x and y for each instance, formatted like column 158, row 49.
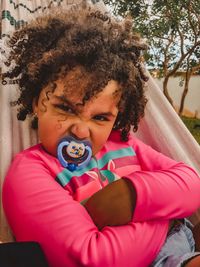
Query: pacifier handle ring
column 62, row 160
column 85, row 162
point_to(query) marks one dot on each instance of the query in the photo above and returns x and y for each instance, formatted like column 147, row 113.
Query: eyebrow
column 106, row 114
column 74, row 107
column 63, row 99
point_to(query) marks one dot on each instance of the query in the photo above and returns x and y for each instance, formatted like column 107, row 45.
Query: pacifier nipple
column 74, row 154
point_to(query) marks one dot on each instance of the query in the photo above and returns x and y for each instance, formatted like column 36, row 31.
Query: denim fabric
column 178, row 247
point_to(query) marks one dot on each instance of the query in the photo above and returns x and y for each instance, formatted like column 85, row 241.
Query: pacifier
column 74, row 154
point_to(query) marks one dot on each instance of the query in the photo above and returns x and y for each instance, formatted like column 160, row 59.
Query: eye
column 100, row 118
column 64, row 108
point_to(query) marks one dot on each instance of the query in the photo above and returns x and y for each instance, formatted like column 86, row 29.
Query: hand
column 113, row 205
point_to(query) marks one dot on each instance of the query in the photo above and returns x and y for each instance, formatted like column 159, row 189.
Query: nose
column 80, row 130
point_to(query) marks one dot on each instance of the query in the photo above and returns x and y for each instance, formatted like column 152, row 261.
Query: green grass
column 190, row 123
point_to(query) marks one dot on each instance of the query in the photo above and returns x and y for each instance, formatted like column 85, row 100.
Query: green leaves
column 172, row 28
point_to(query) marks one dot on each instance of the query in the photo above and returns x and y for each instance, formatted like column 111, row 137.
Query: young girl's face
column 60, row 113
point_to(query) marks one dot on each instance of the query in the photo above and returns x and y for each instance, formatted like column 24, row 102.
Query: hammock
column 161, row 127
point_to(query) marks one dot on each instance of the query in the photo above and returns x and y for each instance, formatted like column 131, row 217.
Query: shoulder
column 34, row 159
column 34, row 153
column 115, row 148
column 115, row 141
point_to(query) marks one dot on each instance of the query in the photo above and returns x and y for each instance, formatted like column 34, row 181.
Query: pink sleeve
column 166, row 189
column 39, row 209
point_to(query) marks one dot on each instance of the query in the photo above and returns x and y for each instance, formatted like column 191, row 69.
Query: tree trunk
column 185, row 91
column 165, row 90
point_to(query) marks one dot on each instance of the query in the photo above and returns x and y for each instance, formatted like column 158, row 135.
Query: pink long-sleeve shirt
column 42, row 203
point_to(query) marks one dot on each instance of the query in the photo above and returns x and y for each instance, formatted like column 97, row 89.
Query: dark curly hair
column 56, row 43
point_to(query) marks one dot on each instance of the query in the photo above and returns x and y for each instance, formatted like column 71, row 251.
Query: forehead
column 73, row 85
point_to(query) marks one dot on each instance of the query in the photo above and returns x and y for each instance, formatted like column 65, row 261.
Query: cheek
column 49, row 131
column 51, row 123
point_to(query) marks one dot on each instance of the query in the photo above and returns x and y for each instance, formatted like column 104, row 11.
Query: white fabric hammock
column 161, row 126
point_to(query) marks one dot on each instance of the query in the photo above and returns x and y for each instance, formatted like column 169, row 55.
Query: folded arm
column 163, row 189
column 39, row 209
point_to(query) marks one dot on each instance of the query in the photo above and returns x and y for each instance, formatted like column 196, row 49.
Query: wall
column 192, row 100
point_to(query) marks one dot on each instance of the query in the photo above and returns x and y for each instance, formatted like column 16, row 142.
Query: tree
column 172, row 28
column 189, row 72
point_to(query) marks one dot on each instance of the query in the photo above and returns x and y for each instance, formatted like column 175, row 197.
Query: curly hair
column 56, row 43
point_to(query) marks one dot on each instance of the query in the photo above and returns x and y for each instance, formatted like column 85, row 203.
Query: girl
column 80, row 78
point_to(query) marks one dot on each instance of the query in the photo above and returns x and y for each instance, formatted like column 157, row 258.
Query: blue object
column 179, row 247
column 74, row 154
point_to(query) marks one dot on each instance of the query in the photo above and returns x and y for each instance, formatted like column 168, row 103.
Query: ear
column 35, row 105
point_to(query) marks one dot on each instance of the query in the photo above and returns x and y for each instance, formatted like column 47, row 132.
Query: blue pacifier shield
column 74, row 154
